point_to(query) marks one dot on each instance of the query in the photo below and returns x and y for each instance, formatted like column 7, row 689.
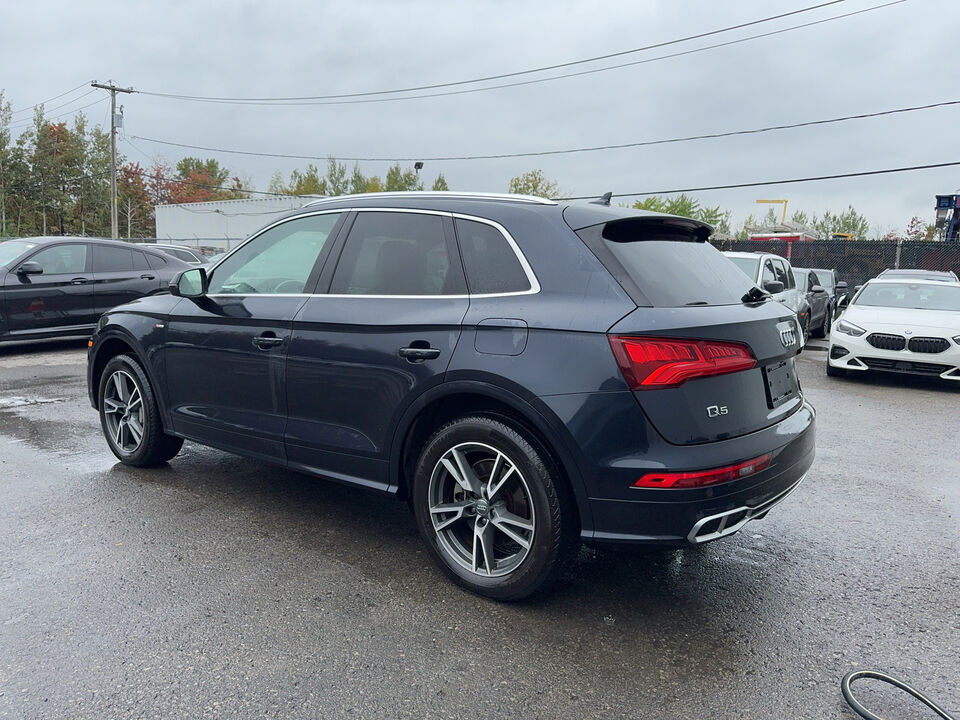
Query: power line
column 888, row 171
column 567, row 151
column 55, row 117
column 535, row 81
column 501, row 76
column 55, row 97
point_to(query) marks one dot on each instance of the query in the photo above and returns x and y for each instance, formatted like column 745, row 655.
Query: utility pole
column 114, row 229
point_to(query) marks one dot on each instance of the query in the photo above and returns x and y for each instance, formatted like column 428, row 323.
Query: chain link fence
column 856, row 261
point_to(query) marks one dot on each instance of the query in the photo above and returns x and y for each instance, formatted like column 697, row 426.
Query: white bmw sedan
column 901, row 326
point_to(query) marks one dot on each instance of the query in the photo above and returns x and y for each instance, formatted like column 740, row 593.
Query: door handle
column 148, row 277
column 78, row 281
column 267, row 341
column 418, row 354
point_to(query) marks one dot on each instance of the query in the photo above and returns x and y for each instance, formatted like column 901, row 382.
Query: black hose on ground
column 850, row 677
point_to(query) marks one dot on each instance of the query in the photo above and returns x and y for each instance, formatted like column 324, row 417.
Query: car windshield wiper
column 754, row 295
column 697, row 302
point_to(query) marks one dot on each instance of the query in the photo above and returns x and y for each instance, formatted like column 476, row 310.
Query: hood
column 896, row 320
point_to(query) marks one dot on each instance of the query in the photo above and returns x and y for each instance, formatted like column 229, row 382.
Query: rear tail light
column 649, row 363
column 701, row 478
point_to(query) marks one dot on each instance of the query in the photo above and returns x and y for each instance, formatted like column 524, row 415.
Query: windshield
column 747, row 265
column 12, row 249
column 914, row 296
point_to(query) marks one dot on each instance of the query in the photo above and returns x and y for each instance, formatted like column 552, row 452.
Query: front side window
column 781, row 274
column 391, row 253
column 490, row 264
column 278, row 261
column 62, row 259
column 768, row 274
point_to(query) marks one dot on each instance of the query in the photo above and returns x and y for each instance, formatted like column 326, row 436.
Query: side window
column 390, row 253
column 62, row 259
column 489, row 262
column 139, row 261
column 156, row 260
column 812, row 280
column 781, row 274
column 278, row 261
column 111, row 259
column 182, row 255
column 768, row 274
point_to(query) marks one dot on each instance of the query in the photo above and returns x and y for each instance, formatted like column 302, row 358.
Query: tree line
column 55, row 180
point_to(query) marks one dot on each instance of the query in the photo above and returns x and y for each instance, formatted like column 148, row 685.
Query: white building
column 221, row 224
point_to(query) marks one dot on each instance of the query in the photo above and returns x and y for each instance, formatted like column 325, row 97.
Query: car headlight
column 849, row 328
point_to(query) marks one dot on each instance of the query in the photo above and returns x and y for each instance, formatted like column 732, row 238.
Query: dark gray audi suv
column 527, row 374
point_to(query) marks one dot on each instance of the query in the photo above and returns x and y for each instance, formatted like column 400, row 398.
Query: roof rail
column 512, row 197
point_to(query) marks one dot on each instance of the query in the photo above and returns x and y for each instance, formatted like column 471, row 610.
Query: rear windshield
column 665, row 266
column 914, row 296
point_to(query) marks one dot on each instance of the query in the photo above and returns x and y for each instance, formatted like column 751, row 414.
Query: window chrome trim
column 450, row 194
column 528, row 271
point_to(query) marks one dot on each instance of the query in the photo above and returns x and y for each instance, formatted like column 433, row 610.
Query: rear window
column 666, row 266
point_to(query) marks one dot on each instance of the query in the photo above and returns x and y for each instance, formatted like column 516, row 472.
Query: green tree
column 336, row 179
column 848, row 221
column 533, row 182
column 440, row 183
column 399, row 180
column 6, row 158
column 686, row 206
column 358, row 181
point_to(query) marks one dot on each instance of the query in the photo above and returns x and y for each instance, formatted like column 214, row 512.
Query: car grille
column 928, row 344
column 906, row 366
column 887, row 342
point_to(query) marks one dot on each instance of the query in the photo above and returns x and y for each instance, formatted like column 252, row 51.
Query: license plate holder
column 781, row 380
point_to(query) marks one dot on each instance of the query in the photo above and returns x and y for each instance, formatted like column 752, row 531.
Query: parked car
column 187, row 255
column 773, row 273
column 901, row 326
column 819, row 313
column 834, row 286
column 59, row 286
column 915, row 274
column 528, row 374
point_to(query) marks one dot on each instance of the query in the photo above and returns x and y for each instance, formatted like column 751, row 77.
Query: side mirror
column 856, row 288
column 189, row 283
column 30, row 268
column 773, row 286
column 843, row 302
column 842, row 285
column 817, row 289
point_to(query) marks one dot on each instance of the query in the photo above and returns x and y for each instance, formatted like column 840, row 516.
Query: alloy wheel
column 481, row 509
column 123, row 411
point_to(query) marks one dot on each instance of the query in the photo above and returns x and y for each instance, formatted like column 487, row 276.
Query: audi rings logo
column 788, row 333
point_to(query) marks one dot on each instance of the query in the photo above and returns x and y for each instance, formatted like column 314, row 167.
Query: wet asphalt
column 227, row 588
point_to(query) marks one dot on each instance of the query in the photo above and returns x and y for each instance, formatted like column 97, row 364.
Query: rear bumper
column 622, row 514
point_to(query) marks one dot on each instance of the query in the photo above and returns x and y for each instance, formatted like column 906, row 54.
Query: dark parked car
column 834, row 286
column 191, row 257
column 819, row 312
column 527, row 374
column 59, row 286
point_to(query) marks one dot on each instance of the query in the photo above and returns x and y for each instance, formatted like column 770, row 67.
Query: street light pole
column 114, row 223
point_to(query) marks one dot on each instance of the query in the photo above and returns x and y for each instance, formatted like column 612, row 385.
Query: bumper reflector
column 701, row 478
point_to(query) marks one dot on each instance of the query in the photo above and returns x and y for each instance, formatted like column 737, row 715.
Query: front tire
column 130, row 417
column 493, row 508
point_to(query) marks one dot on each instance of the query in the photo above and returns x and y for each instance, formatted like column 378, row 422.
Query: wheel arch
column 461, row 398
column 117, row 340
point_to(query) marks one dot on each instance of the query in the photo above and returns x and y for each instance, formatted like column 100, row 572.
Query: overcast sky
column 893, row 57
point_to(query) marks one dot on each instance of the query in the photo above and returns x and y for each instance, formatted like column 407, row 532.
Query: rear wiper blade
column 755, row 295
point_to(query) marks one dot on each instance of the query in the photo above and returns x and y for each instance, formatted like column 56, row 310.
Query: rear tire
column 130, row 417
column 493, row 508
column 835, row 372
